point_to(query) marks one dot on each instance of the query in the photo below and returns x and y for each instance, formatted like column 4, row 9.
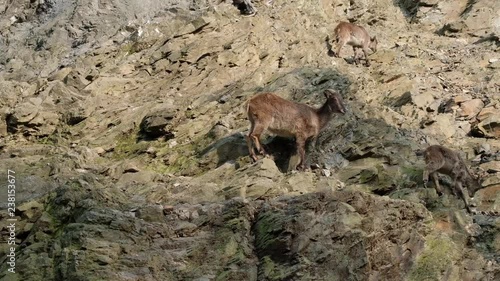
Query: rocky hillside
column 124, row 124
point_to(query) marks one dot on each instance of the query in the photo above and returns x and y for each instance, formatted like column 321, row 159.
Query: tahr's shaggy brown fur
column 355, row 36
column 440, row 159
column 268, row 111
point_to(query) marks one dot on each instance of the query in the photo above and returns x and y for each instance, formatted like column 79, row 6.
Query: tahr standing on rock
column 355, row 36
column 440, row 159
column 282, row 117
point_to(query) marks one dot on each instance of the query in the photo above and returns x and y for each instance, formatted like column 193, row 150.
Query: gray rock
column 422, row 100
column 151, row 213
column 156, row 124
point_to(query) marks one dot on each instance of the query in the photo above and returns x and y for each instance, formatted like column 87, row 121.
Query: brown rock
column 443, row 125
column 471, row 108
column 3, row 126
column 494, row 64
column 263, row 182
column 490, row 127
column 155, row 124
column 462, row 98
column 100, row 151
column 486, row 112
column 76, row 80
column 493, row 166
column 383, row 56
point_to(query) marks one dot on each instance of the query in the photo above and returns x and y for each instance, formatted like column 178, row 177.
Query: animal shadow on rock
column 228, row 148
column 234, row 146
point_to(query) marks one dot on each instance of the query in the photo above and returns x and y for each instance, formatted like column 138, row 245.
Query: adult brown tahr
column 282, row 117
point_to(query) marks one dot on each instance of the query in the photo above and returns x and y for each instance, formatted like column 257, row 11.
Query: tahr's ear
column 374, row 38
column 328, row 93
column 339, row 104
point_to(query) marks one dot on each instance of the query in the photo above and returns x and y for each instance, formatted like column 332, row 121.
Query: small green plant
column 48, row 140
column 129, row 48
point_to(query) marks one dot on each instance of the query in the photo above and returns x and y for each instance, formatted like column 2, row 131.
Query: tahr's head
column 334, row 101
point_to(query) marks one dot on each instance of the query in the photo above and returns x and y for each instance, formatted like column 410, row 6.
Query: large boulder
column 489, row 127
column 156, row 124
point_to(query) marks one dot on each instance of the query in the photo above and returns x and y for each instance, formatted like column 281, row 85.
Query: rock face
column 317, row 235
column 155, row 124
column 471, row 108
column 490, row 127
column 125, row 124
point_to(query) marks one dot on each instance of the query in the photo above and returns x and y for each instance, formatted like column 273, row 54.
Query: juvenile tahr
column 282, row 117
column 440, row 159
column 355, row 36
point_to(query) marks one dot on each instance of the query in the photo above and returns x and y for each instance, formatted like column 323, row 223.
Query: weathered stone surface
column 60, row 74
column 486, row 112
column 31, row 118
column 262, row 183
column 155, row 124
column 226, row 148
column 151, row 213
column 422, row 100
column 490, row 127
column 277, row 233
column 121, row 203
column 489, row 198
column 286, row 227
column 442, row 126
column 30, row 209
column 128, row 180
column 75, row 80
column 471, row 108
column 301, row 183
column 462, row 98
column 493, row 166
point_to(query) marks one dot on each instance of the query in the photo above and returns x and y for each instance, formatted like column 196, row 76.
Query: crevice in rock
column 468, row 7
column 11, row 122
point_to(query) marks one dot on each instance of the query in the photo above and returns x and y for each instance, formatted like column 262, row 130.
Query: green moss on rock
column 413, row 174
column 267, row 229
column 127, row 146
column 275, row 271
column 231, row 244
column 437, row 257
column 367, row 175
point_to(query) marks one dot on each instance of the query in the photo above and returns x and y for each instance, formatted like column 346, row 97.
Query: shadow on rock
column 226, row 149
column 233, row 147
column 329, row 46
